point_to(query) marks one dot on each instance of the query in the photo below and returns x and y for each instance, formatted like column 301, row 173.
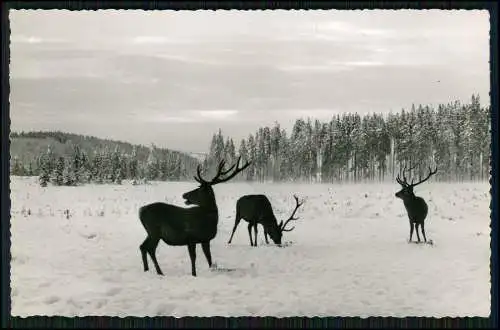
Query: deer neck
column 272, row 222
column 210, row 210
column 410, row 199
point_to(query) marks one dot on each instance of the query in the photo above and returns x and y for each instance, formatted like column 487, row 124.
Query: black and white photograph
column 250, row 163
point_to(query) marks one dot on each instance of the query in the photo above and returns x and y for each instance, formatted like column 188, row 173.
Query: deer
column 256, row 209
column 415, row 206
column 179, row 226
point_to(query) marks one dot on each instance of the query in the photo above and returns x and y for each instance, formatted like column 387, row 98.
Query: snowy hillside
column 348, row 255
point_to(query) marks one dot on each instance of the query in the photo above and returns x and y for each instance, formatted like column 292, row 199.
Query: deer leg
column 236, row 223
column 416, row 229
column 255, row 232
column 144, row 253
column 423, row 231
column 206, row 250
column 192, row 256
column 411, row 231
column 153, row 244
column 250, row 233
column 265, row 236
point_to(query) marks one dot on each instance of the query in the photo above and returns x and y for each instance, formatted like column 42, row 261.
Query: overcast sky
column 173, row 78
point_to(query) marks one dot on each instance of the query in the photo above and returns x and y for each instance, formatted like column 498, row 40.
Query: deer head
column 407, row 188
column 276, row 234
column 204, row 194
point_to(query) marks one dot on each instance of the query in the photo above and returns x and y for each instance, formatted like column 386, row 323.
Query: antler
column 221, row 172
column 404, row 182
column 298, row 204
column 198, row 177
column 431, row 173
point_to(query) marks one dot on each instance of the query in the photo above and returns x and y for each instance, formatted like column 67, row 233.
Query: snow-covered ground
column 348, row 255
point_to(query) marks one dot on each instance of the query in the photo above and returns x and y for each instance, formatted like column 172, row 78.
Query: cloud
column 149, row 40
column 332, row 66
column 191, row 74
column 363, row 63
column 312, row 68
column 217, row 114
column 189, row 116
column 190, row 59
column 166, row 119
column 23, row 39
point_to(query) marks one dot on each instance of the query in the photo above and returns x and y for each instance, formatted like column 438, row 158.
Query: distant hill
column 28, row 146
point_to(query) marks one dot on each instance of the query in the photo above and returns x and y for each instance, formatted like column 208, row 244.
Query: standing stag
column 179, row 226
column 256, row 209
column 415, row 206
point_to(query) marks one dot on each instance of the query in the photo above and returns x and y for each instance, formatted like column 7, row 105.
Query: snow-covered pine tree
column 68, row 175
column 383, row 147
column 476, row 135
column 457, row 124
column 219, row 151
column 133, row 165
column 259, row 156
column 29, row 170
column 152, row 164
column 163, row 168
column 485, row 138
column 229, row 152
column 16, row 167
column 252, row 151
column 44, row 172
column 285, row 169
column 118, row 175
column 57, row 173
column 97, row 173
column 298, row 149
column 177, row 172
column 243, row 153
column 85, row 168
column 116, row 166
column 107, row 165
column 328, row 166
column 77, row 163
column 275, row 151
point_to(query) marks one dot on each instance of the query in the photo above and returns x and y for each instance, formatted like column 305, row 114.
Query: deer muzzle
column 186, row 199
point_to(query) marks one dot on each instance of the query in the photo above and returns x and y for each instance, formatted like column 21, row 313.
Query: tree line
column 104, row 165
column 455, row 137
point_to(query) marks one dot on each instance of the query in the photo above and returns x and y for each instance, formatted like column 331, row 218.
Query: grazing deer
column 256, row 209
column 179, row 226
column 415, row 206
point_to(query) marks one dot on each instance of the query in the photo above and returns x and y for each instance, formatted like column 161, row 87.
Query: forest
column 69, row 159
column 455, row 137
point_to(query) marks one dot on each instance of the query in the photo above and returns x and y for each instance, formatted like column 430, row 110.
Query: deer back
column 177, row 225
column 257, row 209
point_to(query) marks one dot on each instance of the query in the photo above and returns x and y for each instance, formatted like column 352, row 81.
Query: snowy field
column 348, row 255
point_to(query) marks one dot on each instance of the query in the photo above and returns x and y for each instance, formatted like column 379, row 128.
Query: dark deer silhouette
column 179, row 226
column 415, row 206
column 256, row 209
